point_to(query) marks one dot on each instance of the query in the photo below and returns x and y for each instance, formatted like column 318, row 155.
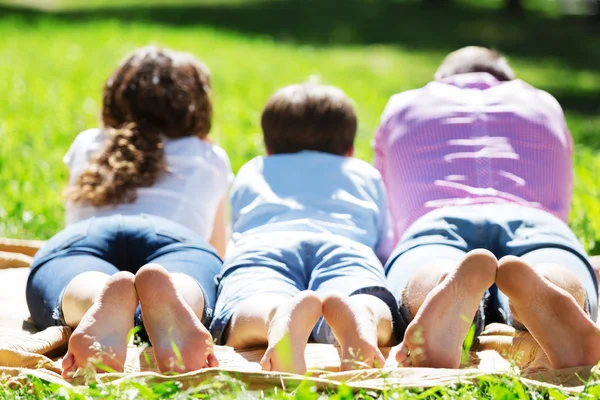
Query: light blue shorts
column 504, row 229
column 286, row 263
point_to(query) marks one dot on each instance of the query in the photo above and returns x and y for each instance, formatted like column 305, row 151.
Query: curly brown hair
column 154, row 94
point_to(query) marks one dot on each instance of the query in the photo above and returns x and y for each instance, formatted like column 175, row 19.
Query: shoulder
column 532, row 99
column 399, row 102
column 86, row 143
column 220, row 157
column 548, row 100
column 362, row 169
column 189, row 148
column 255, row 165
column 251, row 168
column 90, row 137
column 247, row 178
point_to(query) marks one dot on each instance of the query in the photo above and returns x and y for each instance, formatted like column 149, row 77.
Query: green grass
column 53, row 66
column 227, row 387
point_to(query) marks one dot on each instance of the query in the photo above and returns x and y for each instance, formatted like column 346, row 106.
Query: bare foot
column 434, row 337
column 355, row 327
column 290, row 326
column 552, row 316
column 101, row 336
column 179, row 340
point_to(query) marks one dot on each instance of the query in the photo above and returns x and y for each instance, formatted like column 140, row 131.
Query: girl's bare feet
column 552, row 316
column 179, row 340
column 101, row 336
column 355, row 325
column 434, row 337
column 290, row 326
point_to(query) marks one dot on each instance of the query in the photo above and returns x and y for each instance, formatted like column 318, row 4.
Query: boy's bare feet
column 355, row 327
column 101, row 336
column 552, row 316
column 290, row 326
column 179, row 340
column 434, row 338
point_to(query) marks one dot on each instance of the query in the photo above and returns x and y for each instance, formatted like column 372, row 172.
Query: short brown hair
column 309, row 117
column 153, row 94
column 475, row 59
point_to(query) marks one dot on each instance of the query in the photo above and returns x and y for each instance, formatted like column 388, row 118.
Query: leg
column 443, row 301
column 180, row 342
column 249, row 324
column 261, row 299
column 101, row 336
column 290, row 325
column 177, row 295
column 361, row 324
column 283, row 324
column 61, row 289
column 193, row 268
column 80, row 294
column 190, row 292
column 356, row 302
column 548, row 299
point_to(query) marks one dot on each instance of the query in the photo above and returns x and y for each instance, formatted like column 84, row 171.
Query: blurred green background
column 55, row 56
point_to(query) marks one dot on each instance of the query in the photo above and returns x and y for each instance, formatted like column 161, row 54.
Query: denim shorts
column 504, row 229
column 286, row 263
column 112, row 244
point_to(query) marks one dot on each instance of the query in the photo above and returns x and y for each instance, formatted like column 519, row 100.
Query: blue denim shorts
column 504, row 229
column 112, row 244
column 286, row 263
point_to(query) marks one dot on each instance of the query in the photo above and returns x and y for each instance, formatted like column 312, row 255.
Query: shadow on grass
column 582, row 102
column 412, row 25
column 437, row 26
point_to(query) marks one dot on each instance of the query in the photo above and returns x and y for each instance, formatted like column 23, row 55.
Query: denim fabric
column 504, row 229
column 113, row 244
column 286, row 263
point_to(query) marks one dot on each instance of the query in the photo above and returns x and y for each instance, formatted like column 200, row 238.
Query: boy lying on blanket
column 307, row 219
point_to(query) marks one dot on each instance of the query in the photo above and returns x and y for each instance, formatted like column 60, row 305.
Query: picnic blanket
column 26, row 352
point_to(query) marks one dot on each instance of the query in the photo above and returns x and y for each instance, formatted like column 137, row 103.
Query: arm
column 220, row 234
column 379, row 139
column 386, row 240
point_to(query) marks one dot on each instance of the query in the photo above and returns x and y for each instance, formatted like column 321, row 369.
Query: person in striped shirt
column 478, row 168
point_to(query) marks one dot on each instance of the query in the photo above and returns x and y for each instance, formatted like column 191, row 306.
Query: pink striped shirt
column 471, row 139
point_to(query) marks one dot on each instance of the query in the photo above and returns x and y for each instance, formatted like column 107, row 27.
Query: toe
column 402, row 355
column 212, row 360
column 68, row 365
column 265, row 362
column 379, row 361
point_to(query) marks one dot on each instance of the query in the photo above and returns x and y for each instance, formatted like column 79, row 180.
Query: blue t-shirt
column 313, row 192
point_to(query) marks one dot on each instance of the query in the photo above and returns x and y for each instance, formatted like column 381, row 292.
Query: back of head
column 153, row 94
column 309, row 117
column 475, row 59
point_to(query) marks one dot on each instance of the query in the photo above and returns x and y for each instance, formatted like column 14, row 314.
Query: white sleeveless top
column 198, row 176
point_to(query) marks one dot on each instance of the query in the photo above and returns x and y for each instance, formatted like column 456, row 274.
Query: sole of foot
column 179, row 340
column 355, row 328
column 435, row 336
column 552, row 316
column 100, row 339
column 289, row 329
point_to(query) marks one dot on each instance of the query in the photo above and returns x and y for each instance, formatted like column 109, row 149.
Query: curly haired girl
column 146, row 221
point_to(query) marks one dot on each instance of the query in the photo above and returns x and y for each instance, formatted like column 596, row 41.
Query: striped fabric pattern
column 471, row 139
